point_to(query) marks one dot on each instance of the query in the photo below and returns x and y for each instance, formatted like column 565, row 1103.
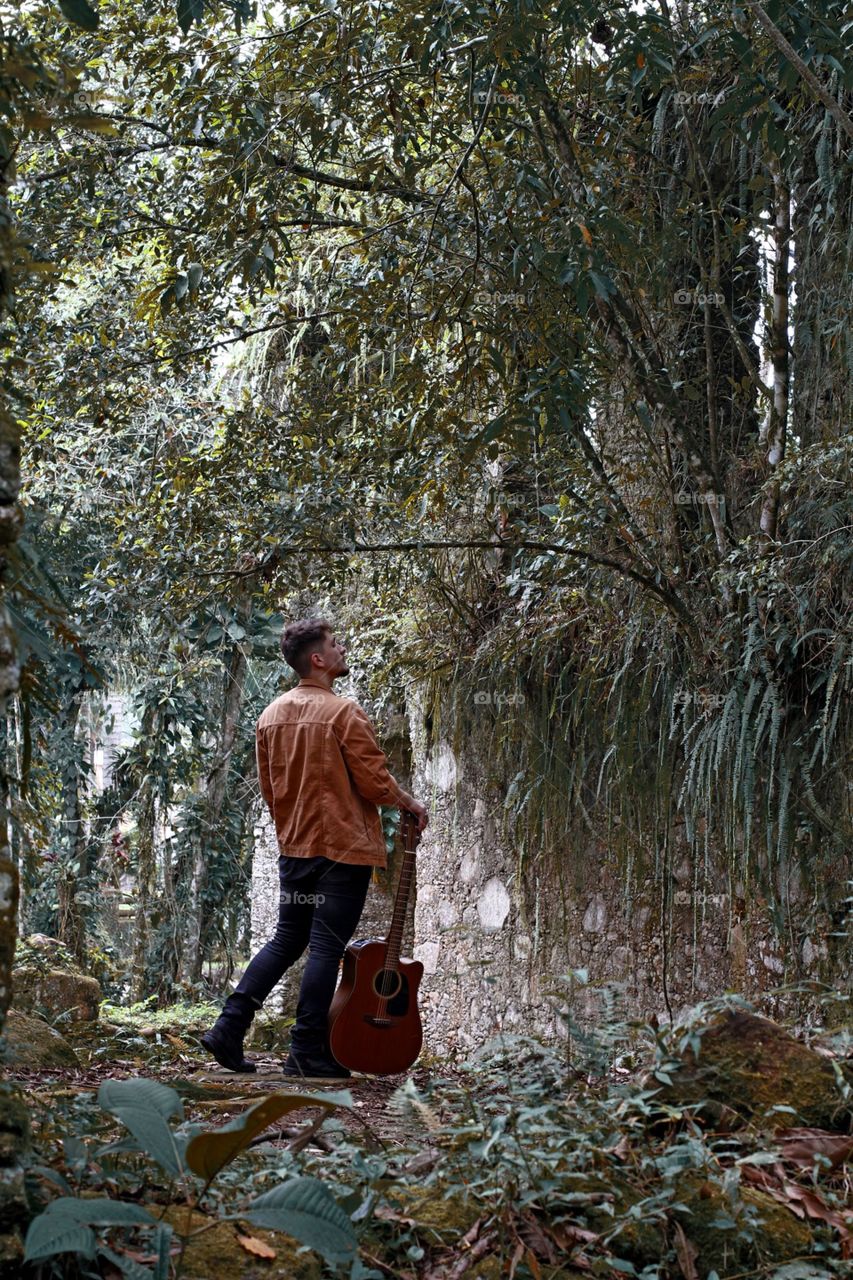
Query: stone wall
column 504, row 946
column 510, row 949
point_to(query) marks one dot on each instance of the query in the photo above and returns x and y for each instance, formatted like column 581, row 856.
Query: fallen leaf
column 622, row 1149
column 533, row 1263
column 390, row 1214
column 257, row 1247
column 800, row 1146
column 686, row 1253
column 567, row 1234
column 799, row 1200
column 515, row 1259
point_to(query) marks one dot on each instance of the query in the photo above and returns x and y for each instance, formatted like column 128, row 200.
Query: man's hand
column 420, row 813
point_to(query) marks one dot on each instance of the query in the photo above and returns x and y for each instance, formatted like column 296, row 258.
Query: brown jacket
column 322, row 774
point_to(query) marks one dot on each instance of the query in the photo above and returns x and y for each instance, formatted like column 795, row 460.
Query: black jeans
column 320, row 906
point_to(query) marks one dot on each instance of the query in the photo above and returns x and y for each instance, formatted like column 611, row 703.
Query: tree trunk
column 11, row 520
column 217, row 782
column 777, row 426
column 71, row 928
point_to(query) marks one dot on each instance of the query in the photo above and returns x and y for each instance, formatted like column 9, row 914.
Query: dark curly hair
column 299, row 639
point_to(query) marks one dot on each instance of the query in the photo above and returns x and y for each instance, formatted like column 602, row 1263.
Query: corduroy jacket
column 322, row 775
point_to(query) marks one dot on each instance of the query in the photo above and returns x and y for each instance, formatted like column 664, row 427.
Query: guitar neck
column 394, row 939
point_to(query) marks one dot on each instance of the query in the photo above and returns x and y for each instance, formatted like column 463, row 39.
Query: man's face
column 333, row 654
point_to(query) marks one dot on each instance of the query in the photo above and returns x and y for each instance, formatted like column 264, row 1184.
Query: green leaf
column 144, row 1106
column 189, row 11
column 604, row 286
column 305, row 1209
column 51, row 1233
column 209, row 1152
column 100, row 1212
column 162, row 1243
column 81, row 13
column 195, row 271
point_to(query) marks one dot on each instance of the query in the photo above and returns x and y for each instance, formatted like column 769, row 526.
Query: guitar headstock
column 409, row 830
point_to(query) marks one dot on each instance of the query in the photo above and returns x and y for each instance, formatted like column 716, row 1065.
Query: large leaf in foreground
column 306, row 1209
column 144, row 1106
column 52, row 1233
column 209, row 1152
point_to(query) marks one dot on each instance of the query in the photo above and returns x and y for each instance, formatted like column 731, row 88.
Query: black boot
column 314, row 1068
column 225, row 1038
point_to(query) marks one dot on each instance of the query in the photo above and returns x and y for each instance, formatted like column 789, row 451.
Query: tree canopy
column 518, row 331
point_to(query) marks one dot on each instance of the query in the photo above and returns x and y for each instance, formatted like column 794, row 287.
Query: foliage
column 302, row 1206
column 493, row 292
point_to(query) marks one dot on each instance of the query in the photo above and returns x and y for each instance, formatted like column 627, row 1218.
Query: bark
column 10, row 525
column 145, row 861
column 217, row 782
column 71, row 928
column 777, row 424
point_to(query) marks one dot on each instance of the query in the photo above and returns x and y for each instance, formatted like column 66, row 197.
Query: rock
column 56, row 991
column 14, row 1208
column 32, row 1043
column 702, row 1210
column 746, row 1066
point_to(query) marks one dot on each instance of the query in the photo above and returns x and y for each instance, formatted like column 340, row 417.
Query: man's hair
column 299, row 639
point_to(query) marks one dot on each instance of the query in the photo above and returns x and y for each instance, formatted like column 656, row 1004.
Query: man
column 322, row 775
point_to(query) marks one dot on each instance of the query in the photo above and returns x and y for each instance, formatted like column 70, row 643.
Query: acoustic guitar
column 374, row 1020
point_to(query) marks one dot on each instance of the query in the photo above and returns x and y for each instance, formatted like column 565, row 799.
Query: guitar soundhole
column 386, row 983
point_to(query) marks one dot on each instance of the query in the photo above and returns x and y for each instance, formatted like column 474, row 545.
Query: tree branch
column 785, row 48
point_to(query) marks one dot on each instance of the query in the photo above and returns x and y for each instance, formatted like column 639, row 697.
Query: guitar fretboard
column 394, row 939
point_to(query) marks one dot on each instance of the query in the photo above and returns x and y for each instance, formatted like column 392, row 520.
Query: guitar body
column 374, row 1020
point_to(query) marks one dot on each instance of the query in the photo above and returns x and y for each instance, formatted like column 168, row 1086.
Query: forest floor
column 725, row 1154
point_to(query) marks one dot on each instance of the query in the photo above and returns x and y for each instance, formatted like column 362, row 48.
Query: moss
column 747, row 1065
column 431, row 1208
column 14, row 1209
column 181, row 1019
column 14, row 1125
column 32, row 1043
column 270, row 1034
column 217, row 1252
column 764, row 1232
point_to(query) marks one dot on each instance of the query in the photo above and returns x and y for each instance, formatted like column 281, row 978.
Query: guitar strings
column 397, row 926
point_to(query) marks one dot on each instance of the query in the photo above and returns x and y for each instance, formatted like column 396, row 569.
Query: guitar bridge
column 378, row 1022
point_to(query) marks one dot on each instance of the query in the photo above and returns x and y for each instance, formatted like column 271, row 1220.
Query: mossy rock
column 271, row 1035
column 14, row 1208
column 441, row 1221
column 746, row 1066
column 60, row 992
column 14, row 1126
column 763, row 1233
column 30, row 1042
column 218, row 1253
